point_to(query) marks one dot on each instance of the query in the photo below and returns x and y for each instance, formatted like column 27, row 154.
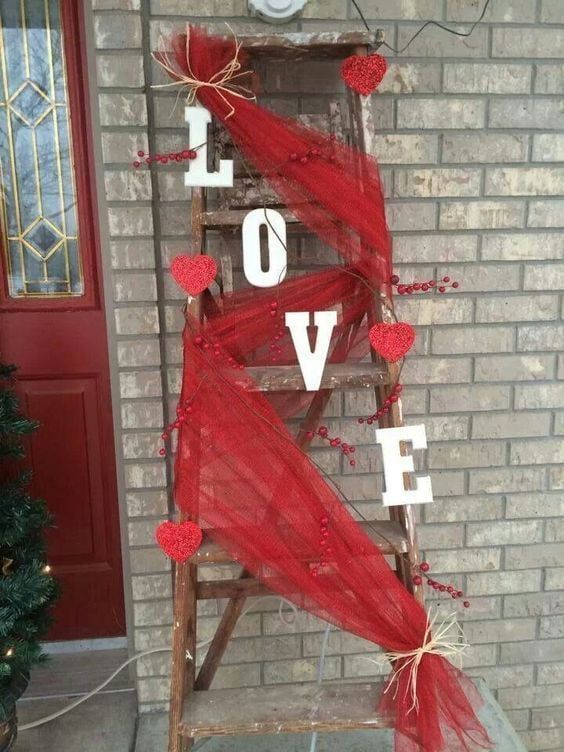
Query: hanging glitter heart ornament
column 179, row 540
column 392, row 341
column 194, row 273
column 363, row 73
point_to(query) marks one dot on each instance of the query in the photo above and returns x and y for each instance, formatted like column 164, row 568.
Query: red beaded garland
column 421, row 573
column 422, row 286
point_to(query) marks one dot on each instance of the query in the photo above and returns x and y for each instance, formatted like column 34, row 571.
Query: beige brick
column 116, row 4
column 528, row 42
column 508, row 630
column 537, row 451
column 132, row 254
column 509, row 425
column 546, row 213
column 145, row 352
column 551, row 626
column 364, row 665
column 141, row 445
column 197, row 8
column 517, row 308
column 533, row 396
column 481, row 339
column 484, row 147
column 524, row 181
column 338, row 642
column 529, row 697
column 490, row 583
column 441, row 536
column 554, row 579
column 429, row 310
column 548, row 147
column 541, row 337
column 506, row 676
column 400, row 10
column 501, row 11
column 466, row 454
column 439, row 428
column 149, row 475
column 436, row 247
column 554, row 531
column 435, row 43
column 146, row 503
column 130, row 220
column 464, row 215
column 513, row 368
column 412, row 215
column 556, row 478
column 483, row 277
column 131, row 321
column 142, row 414
column 448, row 483
column 440, row 114
column 436, row 370
column 135, row 287
column 504, row 532
column 411, row 78
column 123, row 71
column 464, row 508
column 301, row 670
column 535, row 505
column 534, row 604
column 508, row 479
column 540, row 555
column 427, row 183
column 117, row 31
column 482, row 78
column 551, row 673
column 127, row 185
column 152, row 613
column 122, row 109
column 552, row 12
column 462, row 399
column 150, row 587
column 544, row 277
column 550, row 79
column 466, row 560
column 526, row 112
column 404, row 148
column 542, row 740
column 145, row 560
column 522, row 246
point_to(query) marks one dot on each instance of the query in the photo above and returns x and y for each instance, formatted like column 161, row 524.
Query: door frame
column 101, row 238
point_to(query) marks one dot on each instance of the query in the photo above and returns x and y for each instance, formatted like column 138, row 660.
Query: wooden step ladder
column 195, row 710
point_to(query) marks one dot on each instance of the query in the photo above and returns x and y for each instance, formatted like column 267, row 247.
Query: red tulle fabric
column 239, row 470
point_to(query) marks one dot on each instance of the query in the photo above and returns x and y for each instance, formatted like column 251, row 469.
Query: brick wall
column 471, row 145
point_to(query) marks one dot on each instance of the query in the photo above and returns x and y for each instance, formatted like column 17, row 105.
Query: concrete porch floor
column 108, row 723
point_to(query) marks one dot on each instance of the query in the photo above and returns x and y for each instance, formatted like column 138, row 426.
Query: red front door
column 52, row 324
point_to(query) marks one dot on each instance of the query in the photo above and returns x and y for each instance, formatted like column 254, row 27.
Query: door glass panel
column 39, row 212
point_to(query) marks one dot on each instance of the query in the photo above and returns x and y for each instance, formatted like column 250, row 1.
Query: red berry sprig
column 326, row 549
column 426, row 286
column 275, row 349
column 335, row 442
column 421, row 574
column 173, row 156
column 392, row 397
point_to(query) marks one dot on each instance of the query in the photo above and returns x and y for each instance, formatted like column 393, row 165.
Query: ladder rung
column 283, row 709
column 313, row 45
column 234, row 217
column 335, row 376
column 388, row 535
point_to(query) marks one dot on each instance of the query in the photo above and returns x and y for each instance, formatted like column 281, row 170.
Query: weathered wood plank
column 388, row 535
column 313, row 45
column 335, row 376
column 286, row 709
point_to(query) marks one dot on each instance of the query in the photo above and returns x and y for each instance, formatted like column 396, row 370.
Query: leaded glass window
column 39, row 212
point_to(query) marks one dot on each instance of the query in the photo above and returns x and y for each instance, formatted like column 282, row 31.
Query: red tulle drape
column 238, row 468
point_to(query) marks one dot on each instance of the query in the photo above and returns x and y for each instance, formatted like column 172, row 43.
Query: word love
column 311, row 360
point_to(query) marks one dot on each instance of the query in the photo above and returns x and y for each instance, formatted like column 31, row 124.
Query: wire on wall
column 438, row 24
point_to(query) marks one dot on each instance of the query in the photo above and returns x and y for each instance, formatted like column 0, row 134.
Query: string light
column 9, row 652
column 46, row 569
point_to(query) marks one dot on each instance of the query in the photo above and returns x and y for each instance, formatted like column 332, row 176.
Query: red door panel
column 51, row 304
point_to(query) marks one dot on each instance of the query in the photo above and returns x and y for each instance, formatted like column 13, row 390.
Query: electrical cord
column 438, row 24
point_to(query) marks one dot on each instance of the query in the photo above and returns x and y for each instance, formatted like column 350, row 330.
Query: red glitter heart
column 194, row 273
column 179, row 540
column 363, row 73
column 392, row 341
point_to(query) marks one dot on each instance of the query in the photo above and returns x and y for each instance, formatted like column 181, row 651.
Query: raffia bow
column 222, row 82
column 436, row 641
